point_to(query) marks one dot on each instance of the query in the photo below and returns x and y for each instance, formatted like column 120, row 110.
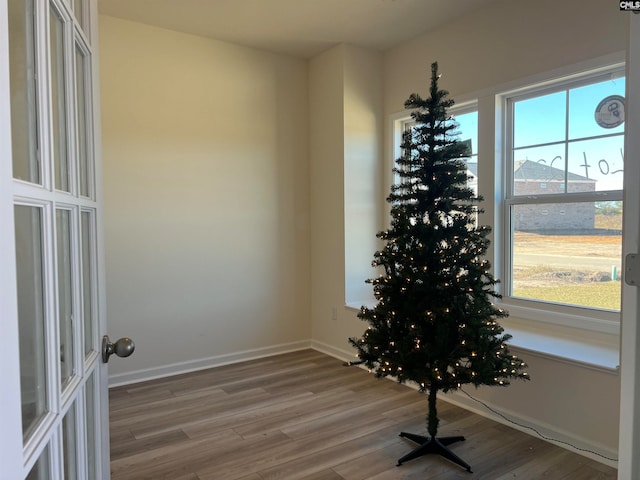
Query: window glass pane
column 598, row 164
column 468, row 133
column 531, row 114
column 81, row 104
column 567, row 253
column 468, row 128
column 31, row 318
column 568, row 142
column 597, row 109
column 65, row 297
column 86, row 226
column 69, row 444
column 539, row 170
column 90, row 419
column 40, row 470
column 22, row 71
column 59, row 102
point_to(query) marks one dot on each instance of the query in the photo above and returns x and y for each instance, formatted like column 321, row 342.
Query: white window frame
column 403, row 119
column 583, row 318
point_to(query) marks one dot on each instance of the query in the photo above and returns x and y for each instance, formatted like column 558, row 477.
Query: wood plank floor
column 303, row 416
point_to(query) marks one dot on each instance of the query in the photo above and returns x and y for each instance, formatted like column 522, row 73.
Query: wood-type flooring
column 304, row 416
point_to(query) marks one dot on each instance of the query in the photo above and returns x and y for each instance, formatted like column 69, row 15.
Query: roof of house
column 538, row 171
column 473, row 168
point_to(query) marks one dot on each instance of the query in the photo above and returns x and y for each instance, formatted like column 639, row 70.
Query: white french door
column 53, row 407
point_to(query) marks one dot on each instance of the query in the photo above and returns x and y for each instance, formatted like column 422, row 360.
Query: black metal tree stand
column 433, row 445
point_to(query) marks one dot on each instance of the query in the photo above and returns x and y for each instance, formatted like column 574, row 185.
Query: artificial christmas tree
column 435, row 322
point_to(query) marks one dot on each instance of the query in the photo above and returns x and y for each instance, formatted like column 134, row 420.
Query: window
column 468, row 128
column 563, row 195
column 467, row 118
column 547, row 155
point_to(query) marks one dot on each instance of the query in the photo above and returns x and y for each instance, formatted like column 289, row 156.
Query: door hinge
column 632, row 269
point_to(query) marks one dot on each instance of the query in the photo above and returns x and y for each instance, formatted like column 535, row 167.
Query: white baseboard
column 144, row 375
column 340, row 354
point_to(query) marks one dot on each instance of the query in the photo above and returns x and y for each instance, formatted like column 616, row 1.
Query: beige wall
column 206, row 182
column 326, row 154
column 346, row 131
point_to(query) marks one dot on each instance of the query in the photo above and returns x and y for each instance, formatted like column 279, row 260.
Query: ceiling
column 301, row 28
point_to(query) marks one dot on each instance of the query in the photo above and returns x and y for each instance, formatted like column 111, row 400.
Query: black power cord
column 544, row 437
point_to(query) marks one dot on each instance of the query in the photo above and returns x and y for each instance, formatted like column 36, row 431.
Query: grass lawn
column 572, row 282
column 604, row 295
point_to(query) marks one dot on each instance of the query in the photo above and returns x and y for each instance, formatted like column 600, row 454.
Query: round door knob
column 123, row 347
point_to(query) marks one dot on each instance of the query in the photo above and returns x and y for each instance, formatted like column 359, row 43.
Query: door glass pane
column 31, row 319
column 90, row 419
column 22, row 71
column 69, row 446
column 40, row 470
column 86, row 226
column 58, row 102
column 65, row 297
column 81, row 92
column 79, row 12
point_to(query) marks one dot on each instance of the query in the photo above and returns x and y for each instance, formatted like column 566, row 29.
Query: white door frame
column 629, row 438
column 10, row 409
column 103, row 371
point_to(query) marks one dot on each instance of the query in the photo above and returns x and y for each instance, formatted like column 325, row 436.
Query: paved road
column 603, row 264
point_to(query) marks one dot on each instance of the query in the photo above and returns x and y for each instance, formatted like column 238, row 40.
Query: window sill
column 587, row 349
column 594, row 350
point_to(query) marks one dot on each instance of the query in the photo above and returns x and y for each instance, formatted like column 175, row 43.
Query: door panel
column 87, row 272
column 41, row 470
column 91, row 442
column 24, row 101
column 65, row 295
column 83, row 144
column 31, row 319
column 51, row 269
column 70, row 444
column 58, row 49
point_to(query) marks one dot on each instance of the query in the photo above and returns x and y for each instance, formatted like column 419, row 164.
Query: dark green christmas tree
column 435, row 322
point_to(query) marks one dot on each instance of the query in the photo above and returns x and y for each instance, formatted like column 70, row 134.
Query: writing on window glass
column 604, row 166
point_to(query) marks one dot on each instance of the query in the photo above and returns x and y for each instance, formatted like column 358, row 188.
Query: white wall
column 505, row 42
column 326, row 156
column 206, row 181
column 346, row 131
column 363, row 159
